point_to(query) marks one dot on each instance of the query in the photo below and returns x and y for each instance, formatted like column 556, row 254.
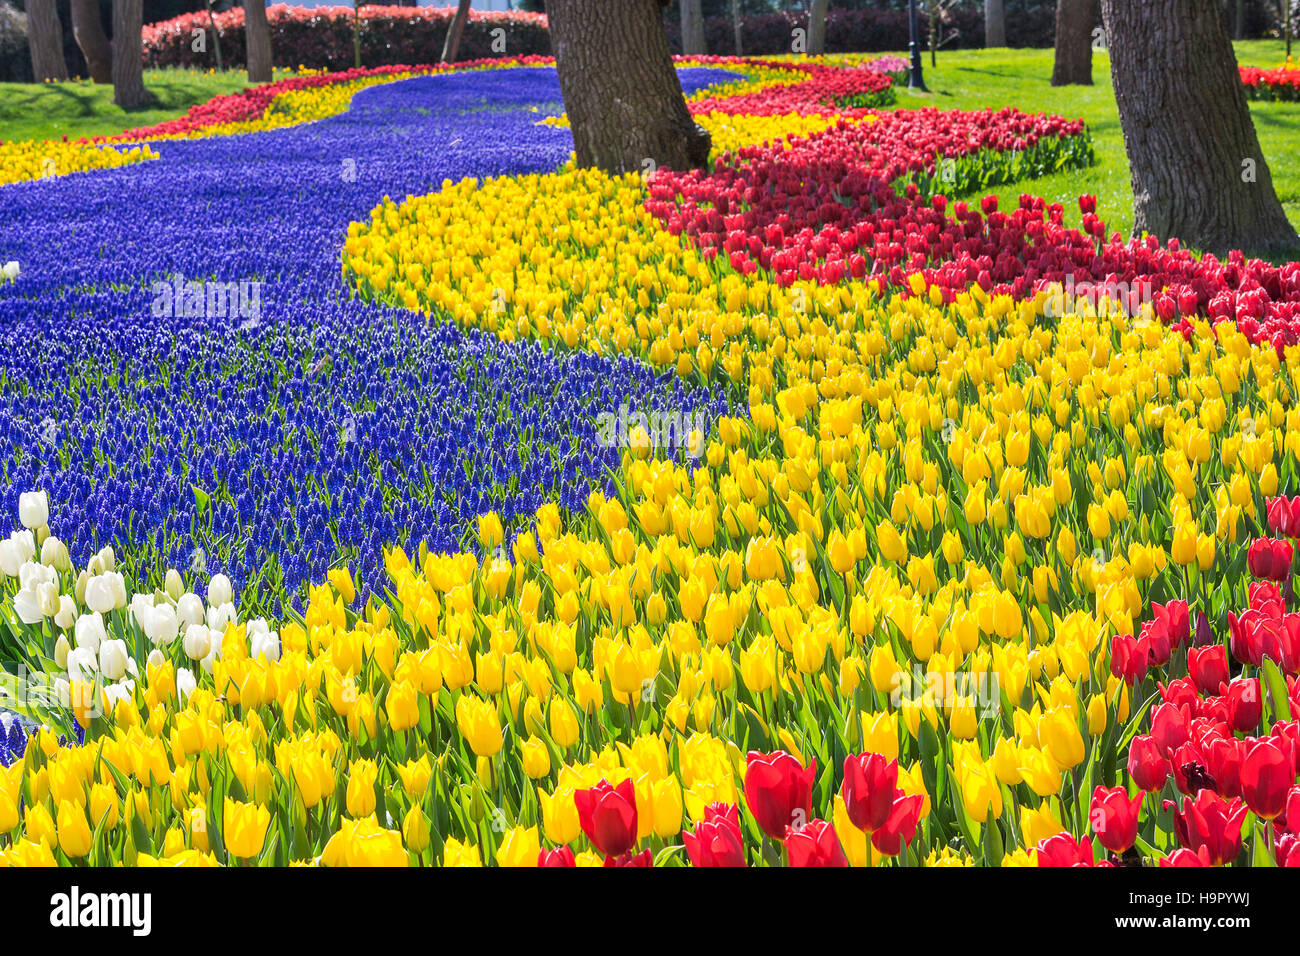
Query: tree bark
column 817, row 26
column 45, row 41
column 128, row 57
column 995, row 23
column 88, row 31
column 693, row 29
column 257, row 40
column 1239, row 21
column 737, row 24
column 1075, row 20
column 451, row 46
column 1197, row 170
column 621, row 93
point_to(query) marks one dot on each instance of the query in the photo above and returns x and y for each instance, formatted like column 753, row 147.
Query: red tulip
column 1191, row 769
column 1269, row 558
column 1147, row 764
column 1209, row 822
column 608, row 816
column 1176, row 619
column 870, row 784
column 1063, row 850
column 1267, row 776
column 778, row 791
column 1223, row 761
column 1186, row 857
column 1169, row 726
column 561, row 857
column 1287, row 850
column 716, row 840
column 1181, row 693
column 644, row 858
column 1208, row 667
column 900, row 828
column 1128, row 659
column 1245, row 704
column 815, row 844
column 1114, row 817
column 1284, row 516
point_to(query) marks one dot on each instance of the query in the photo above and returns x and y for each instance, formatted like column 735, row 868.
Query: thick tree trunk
column 621, row 93
column 45, row 41
column 451, row 46
column 128, row 57
column 736, row 24
column 1197, row 169
column 995, row 23
column 257, row 39
column 88, row 31
column 693, row 28
column 1075, row 20
column 817, row 26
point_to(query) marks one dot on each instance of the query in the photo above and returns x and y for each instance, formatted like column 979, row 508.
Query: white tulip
column 94, row 567
column 185, row 684
column 90, row 632
column 33, row 509
column 9, row 560
column 219, row 617
column 54, row 554
column 99, row 594
column 189, row 608
column 219, row 590
column 18, row 549
column 156, row 658
column 265, row 644
column 63, row 691
column 10, row 270
column 48, row 592
column 112, row 659
column 164, row 626
column 257, row 625
column 27, row 605
column 67, row 615
column 61, row 651
column 33, row 575
column 118, row 692
column 197, row 642
column 119, row 588
column 174, row 584
column 82, row 664
column 107, row 558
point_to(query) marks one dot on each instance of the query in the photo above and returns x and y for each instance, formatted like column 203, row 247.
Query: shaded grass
column 975, row 79
column 81, row 108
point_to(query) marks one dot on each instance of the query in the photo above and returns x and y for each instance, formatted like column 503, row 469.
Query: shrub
column 321, row 38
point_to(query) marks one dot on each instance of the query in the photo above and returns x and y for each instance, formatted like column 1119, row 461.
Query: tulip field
column 379, row 488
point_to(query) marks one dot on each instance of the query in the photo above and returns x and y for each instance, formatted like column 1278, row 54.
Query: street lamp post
column 914, row 80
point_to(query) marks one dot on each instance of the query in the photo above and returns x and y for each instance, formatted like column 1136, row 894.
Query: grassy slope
column 972, row 79
column 81, row 108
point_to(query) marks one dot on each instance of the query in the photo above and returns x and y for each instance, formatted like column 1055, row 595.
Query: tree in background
column 817, row 26
column 45, row 41
column 1198, row 172
column 257, row 41
column 1075, row 20
column 88, row 31
column 737, row 24
column 995, row 23
column 455, row 29
column 621, row 93
column 128, row 58
column 693, row 28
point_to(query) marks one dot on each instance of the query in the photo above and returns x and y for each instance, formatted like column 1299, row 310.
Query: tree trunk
column 451, row 46
column 257, row 39
column 1239, row 21
column 1075, row 20
column 88, row 31
column 736, row 26
column 1197, row 169
column 128, row 57
column 45, row 40
column 995, row 23
column 621, row 93
column 693, row 29
column 817, row 26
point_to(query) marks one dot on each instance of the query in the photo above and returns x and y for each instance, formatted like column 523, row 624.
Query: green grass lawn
column 81, row 108
column 973, row 79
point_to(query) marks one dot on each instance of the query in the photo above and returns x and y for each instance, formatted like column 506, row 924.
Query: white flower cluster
column 95, row 643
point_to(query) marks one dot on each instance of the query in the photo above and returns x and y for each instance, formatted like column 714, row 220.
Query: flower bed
column 1280, row 84
column 959, row 564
